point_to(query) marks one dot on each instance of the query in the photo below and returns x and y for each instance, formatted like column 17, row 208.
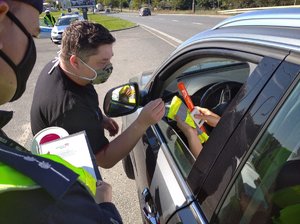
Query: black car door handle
column 150, row 139
column 149, row 209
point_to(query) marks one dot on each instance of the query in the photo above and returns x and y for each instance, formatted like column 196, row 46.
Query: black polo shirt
column 58, row 101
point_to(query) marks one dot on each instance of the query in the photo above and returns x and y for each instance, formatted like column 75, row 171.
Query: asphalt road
column 136, row 50
column 179, row 27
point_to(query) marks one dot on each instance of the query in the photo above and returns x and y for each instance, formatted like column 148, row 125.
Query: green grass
column 111, row 23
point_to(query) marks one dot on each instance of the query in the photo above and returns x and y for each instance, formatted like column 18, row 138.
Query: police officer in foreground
column 38, row 189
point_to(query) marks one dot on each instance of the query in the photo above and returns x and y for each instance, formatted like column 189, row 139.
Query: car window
column 198, row 75
column 66, row 21
column 177, row 147
column 209, row 63
column 267, row 190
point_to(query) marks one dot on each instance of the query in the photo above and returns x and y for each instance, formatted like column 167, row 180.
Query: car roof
column 288, row 17
column 276, row 28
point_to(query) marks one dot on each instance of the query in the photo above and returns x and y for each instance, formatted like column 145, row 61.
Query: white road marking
column 152, row 30
column 197, row 23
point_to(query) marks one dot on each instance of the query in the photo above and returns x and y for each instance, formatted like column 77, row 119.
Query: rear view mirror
column 121, row 100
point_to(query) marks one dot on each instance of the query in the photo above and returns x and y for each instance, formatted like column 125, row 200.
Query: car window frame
column 186, row 57
column 155, row 88
column 176, row 171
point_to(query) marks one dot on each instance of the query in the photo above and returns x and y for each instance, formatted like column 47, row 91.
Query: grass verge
column 111, row 23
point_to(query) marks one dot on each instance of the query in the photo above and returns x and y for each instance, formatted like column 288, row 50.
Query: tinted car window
column 243, row 123
column 268, row 187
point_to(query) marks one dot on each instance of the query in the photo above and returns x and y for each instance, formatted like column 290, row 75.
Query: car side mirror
column 121, row 100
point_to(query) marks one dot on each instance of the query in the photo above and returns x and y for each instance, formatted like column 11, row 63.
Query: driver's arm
column 191, row 134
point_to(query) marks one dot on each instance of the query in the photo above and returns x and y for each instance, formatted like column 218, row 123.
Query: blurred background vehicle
column 62, row 23
column 145, row 11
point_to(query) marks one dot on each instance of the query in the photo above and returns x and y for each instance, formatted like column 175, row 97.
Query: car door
column 236, row 162
column 164, row 169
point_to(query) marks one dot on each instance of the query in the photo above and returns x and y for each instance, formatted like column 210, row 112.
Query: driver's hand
column 208, row 116
column 187, row 130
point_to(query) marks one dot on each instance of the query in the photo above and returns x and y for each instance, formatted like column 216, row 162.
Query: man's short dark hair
column 82, row 38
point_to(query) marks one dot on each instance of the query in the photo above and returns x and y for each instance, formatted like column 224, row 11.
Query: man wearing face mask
column 38, row 189
column 65, row 96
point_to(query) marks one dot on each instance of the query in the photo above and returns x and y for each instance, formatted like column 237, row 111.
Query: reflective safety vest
column 12, row 179
column 177, row 107
column 288, row 200
column 49, row 21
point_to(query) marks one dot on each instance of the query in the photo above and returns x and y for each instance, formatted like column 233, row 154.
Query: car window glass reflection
column 180, row 153
column 268, row 188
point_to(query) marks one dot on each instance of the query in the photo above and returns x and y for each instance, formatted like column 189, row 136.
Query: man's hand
column 110, row 125
column 103, row 192
column 152, row 113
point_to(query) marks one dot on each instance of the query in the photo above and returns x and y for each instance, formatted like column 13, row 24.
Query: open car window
column 198, row 76
column 202, row 72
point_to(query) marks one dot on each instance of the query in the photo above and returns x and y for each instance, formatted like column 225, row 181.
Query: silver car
column 62, row 23
column 246, row 69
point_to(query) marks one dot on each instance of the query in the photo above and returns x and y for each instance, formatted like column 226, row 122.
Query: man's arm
column 78, row 206
column 118, row 148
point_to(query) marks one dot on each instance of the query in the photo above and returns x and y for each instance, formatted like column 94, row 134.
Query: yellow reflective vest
column 12, row 179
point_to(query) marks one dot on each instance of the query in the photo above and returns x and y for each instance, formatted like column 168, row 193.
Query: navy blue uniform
column 59, row 197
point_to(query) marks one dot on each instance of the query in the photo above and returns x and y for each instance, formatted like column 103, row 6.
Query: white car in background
column 62, row 23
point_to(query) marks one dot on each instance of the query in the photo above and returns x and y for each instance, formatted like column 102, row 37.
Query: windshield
column 66, row 21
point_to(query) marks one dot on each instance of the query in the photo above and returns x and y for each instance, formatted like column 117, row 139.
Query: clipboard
column 75, row 149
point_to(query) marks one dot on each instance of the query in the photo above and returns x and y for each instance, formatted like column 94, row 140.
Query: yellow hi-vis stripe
column 11, row 179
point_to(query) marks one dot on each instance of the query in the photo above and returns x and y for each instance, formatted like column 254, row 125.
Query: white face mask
column 101, row 74
column 83, row 77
